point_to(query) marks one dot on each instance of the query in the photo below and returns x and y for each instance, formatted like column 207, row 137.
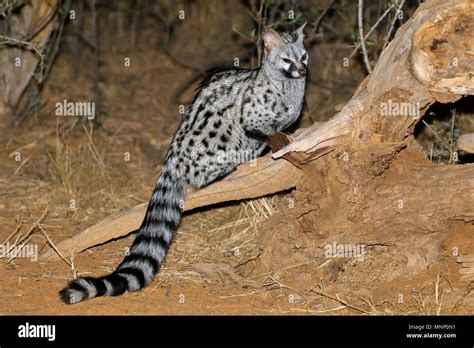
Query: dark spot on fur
column 217, row 124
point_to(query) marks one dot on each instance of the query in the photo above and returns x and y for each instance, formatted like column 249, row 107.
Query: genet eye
column 304, row 56
column 286, row 60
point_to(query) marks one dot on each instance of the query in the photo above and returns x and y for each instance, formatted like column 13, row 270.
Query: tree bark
column 28, row 33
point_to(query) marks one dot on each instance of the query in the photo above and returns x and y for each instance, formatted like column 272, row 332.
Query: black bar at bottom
column 139, row 331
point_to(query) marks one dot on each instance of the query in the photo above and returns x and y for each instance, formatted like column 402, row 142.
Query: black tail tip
column 66, row 296
column 75, row 292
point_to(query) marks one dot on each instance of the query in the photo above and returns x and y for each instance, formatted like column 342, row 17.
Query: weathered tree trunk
column 21, row 47
column 361, row 177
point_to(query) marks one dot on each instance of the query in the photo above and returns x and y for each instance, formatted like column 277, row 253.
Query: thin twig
column 451, row 139
column 392, row 25
column 435, row 134
column 360, row 8
column 336, row 298
column 13, row 233
column 25, row 44
column 24, row 239
column 53, row 245
column 235, row 30
column 356, row 48
column 21, row 165
column 47, row 19
column 317, row 23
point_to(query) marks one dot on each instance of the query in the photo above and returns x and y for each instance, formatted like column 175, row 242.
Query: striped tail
column 148, row 249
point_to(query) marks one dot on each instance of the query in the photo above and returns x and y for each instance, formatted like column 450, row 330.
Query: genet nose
column 302, row 71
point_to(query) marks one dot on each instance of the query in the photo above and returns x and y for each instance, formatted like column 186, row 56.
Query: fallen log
column 253, row 179
column 466, row 142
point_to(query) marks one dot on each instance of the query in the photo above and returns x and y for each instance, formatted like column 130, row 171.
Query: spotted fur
column 228, row 123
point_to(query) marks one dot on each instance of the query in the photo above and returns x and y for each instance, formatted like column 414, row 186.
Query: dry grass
column 229, row 234
column 428, row 300
column 440, row 135
column 21, row 240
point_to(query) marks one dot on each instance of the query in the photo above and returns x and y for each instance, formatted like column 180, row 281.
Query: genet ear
column 299, row 33
column 271, row 40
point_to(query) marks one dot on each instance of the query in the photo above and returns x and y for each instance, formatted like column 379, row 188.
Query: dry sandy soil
column 81, row 175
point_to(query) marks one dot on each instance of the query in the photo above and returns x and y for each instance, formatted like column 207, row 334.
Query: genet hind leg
column 204, row 174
